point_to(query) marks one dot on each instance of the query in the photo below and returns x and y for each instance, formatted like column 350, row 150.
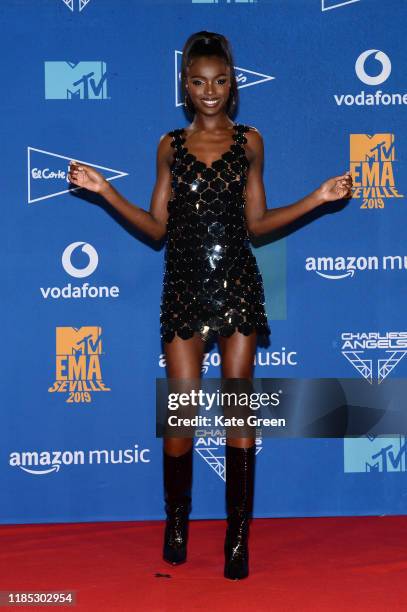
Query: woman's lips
column 210, row 103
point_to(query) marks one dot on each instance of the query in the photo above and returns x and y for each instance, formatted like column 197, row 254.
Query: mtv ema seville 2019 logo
column 78, row 363
column 372, row 165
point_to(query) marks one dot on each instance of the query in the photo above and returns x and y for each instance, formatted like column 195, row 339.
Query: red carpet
column 356, row 563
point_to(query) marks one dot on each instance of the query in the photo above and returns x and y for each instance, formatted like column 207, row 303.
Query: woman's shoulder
column 246, row 127
column 174, row 138
column 175, row 132
column 249, row 129
column 170, row 139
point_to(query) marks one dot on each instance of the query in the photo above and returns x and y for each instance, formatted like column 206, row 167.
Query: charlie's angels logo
column 78, row 363
column 374, row 355
column 210, row 446
column 372, row 164
column 244, row 78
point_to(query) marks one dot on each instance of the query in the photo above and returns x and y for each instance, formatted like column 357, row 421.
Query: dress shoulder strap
column 176, row 144
column 241, row 128
column 177, row 138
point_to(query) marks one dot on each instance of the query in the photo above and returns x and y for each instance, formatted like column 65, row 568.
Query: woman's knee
column 177, row 446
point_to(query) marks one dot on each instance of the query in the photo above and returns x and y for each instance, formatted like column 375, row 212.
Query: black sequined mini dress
column 212, row 284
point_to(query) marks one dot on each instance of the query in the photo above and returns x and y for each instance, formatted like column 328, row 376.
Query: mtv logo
column 85, row 340
column 75, row 80
column 369, row 148
column 377, row 454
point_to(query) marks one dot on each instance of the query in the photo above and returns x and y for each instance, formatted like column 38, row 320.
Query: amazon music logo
column 43, row 462
column 338, row 268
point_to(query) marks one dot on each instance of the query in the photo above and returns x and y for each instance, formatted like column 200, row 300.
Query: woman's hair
column 208, row 43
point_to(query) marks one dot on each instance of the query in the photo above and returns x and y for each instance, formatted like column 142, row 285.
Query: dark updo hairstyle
column 202, row 44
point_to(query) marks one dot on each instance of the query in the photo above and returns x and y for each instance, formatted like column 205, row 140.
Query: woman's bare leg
column 237, row 353
column 184, row 360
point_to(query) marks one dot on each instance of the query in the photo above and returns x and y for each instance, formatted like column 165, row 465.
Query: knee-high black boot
column 239, row 504
column 177, row 492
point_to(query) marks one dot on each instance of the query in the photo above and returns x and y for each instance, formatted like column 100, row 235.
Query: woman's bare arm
column 261, row 220
column 152, row 222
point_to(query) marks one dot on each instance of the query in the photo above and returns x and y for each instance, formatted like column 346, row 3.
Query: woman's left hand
column 336, row 188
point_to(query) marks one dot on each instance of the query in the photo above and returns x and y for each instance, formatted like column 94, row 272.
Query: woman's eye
column 197, row 83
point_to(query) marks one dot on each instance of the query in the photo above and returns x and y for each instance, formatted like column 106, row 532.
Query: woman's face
column 208, row 84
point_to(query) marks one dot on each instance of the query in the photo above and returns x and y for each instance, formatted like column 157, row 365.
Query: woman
column 208, row 199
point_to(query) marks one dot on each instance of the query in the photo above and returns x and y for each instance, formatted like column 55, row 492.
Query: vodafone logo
column 372, row 67
column 86, row 248
column 379, row 56
column 71, row 256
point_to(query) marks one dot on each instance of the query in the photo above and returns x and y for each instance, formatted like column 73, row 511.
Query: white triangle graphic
column 70, row 4
column 263, row 77
column 337, row 5
column 217, row 463
column 363, row 366
column 117, row 173
column 385, row 366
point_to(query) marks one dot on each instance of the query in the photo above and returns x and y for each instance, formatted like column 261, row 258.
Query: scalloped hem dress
column 212, row 284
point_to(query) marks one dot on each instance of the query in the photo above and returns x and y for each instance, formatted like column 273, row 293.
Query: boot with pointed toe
column 177, row 492
column 239, row 504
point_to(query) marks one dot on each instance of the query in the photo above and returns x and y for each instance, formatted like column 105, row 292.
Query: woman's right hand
column 87, row 177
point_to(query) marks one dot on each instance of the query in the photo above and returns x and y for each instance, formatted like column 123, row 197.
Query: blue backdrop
column 97, row 81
